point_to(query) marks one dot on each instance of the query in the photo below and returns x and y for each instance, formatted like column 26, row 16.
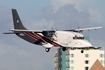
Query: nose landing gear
column 47, row 49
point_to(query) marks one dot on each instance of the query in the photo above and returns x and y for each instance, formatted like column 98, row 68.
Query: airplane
column 72, row 39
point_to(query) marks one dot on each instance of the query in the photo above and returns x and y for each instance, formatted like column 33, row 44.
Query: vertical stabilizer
column 17, row 22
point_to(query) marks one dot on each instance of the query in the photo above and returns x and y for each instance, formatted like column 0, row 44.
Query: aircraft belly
column 48, row 45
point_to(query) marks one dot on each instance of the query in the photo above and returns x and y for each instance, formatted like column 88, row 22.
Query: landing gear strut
column 82, row 51
column 64, row 48
column 47, row 49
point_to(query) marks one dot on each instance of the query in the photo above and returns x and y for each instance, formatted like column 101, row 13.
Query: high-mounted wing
column 84, row 29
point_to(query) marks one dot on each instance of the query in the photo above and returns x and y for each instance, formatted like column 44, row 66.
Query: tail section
column 16, row 19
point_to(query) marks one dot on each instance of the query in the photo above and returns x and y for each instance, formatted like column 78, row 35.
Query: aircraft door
column 69, row 39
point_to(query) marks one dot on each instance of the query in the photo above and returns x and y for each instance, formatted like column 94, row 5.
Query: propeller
column 54, row 32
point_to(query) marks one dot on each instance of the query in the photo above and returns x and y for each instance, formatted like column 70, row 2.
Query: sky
column 17, row 54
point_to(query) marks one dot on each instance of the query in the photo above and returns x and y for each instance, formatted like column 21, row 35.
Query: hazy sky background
column 17, row 54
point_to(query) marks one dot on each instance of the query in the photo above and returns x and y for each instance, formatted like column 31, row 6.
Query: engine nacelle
column 48, row 33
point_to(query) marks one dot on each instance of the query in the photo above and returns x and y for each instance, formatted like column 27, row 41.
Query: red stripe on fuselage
column 37, row 36
column 48, row 40
column 32, row 35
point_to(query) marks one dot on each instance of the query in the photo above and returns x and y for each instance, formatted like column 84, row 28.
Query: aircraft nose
column 81, row 43
column 86, row 43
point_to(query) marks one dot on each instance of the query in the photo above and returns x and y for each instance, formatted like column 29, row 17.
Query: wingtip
column 99, row 27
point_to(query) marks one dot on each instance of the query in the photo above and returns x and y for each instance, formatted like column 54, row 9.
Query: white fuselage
column 71, row 39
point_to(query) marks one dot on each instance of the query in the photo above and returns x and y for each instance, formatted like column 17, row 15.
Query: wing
column 20, row 30
column 84, row 29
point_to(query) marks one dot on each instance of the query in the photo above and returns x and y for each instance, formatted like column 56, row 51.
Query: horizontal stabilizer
column 9, row 33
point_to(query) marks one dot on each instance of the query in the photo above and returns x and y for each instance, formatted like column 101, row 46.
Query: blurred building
column 97, row 66
column 75, row 60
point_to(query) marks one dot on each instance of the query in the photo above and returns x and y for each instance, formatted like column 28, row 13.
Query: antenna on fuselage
column 78, row 28
column 54, row 31
column 52, row 28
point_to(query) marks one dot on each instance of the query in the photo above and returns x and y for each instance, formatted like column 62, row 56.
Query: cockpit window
column 78, row 37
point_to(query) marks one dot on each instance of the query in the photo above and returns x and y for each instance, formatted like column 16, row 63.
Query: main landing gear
column 47, row 49
column 64, row 48
column 82, row 51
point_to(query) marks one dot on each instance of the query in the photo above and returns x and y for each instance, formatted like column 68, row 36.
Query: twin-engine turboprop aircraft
column 73, row 39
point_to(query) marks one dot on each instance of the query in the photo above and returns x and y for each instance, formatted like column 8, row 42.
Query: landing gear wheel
column 82, row 51
column 64, row 49
column 47, row 49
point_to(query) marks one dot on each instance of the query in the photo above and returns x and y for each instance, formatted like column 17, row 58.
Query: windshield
column 78, row 37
